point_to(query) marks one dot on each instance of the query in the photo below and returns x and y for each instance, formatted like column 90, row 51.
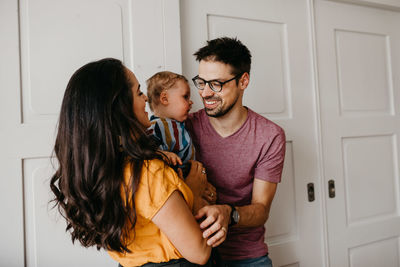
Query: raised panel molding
column 269, row 88
column 282, row 223
column 364, row 73
column 370, row 176
column 46, row 242
column 384, row 4
column 378, row 253
column 291, row 265
column 58, row 37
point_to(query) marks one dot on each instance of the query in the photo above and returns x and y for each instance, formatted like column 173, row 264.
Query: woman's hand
column 197, row 178
column 197, row 182
column 210, row 194
column 203, row 192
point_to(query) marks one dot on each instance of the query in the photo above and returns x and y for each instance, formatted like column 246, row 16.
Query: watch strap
column 233, row 221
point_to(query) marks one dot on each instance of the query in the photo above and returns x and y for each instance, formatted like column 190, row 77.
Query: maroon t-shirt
column 256, row 150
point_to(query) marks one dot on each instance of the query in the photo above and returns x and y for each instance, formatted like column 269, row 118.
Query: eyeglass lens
column 201, row 84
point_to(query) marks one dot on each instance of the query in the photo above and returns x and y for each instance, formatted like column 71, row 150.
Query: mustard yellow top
column 148, row 243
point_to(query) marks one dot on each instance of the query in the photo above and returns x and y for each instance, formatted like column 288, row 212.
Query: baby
column 169, row 99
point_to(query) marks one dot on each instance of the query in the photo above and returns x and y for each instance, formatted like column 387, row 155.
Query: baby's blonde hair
column 159, row 82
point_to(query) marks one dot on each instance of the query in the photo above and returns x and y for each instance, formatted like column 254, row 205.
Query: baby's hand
column 172, row 157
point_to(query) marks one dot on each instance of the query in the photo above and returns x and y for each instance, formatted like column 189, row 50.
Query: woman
column 114, row 189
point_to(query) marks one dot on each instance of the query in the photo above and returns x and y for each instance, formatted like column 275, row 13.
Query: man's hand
column 215, row 223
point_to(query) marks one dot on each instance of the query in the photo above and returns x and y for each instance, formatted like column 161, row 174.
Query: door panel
column 51, row 40
column 281, row 88
column 270, row 55
column 56, row 36
column 359, row 81
column 42, row 43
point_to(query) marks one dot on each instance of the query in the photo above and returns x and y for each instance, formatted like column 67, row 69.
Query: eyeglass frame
column 210, row 81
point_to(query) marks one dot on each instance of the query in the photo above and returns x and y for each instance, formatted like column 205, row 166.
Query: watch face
column 235, row 216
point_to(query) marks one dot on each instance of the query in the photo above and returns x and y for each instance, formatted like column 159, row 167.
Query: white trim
column 321, row 169
column 393, row 5
column 172, row 36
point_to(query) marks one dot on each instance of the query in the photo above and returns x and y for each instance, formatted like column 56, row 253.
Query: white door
column 277, row 32
column 359, row 80
column 42, row 43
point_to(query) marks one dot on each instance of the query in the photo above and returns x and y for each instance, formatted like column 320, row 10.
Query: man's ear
column 164, row 98
column 244, row 81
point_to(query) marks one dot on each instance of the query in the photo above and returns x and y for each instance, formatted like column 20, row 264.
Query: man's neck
column 230, row 122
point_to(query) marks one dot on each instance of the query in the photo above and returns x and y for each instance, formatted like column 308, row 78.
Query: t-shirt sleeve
column 156, row 186
column 270, row 165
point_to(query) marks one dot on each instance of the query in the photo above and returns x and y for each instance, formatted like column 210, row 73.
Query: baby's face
column 179, row 103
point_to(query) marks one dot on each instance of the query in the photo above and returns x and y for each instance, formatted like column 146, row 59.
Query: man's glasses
column 215, row 85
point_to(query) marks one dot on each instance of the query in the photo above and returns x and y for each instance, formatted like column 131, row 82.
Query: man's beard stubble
column 220, row 111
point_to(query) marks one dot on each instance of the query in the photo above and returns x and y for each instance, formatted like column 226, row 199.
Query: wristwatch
column 234, row 216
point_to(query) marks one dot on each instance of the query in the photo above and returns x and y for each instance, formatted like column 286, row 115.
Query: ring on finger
column 203, row 171
column 212, row 194
column 223, row 229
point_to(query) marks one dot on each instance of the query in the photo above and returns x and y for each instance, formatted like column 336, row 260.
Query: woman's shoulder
column 157, row 171
column 157, row 182
column 152, row 167
column 154, row 163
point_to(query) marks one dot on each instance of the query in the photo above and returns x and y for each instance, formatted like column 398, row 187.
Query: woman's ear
column 164, row 97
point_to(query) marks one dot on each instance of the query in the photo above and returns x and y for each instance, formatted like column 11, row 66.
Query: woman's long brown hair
column 94, row 142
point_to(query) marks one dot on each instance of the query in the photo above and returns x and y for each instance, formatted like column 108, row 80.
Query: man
column 242, row 152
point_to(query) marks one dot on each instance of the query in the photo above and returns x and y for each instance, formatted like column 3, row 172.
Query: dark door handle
column 310, row 192
column 331, row 188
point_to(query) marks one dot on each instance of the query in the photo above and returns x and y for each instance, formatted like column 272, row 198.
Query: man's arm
column 253, row 215
column 257, row 213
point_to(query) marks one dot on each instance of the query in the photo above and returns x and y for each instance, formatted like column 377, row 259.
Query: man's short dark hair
column 227, row 50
